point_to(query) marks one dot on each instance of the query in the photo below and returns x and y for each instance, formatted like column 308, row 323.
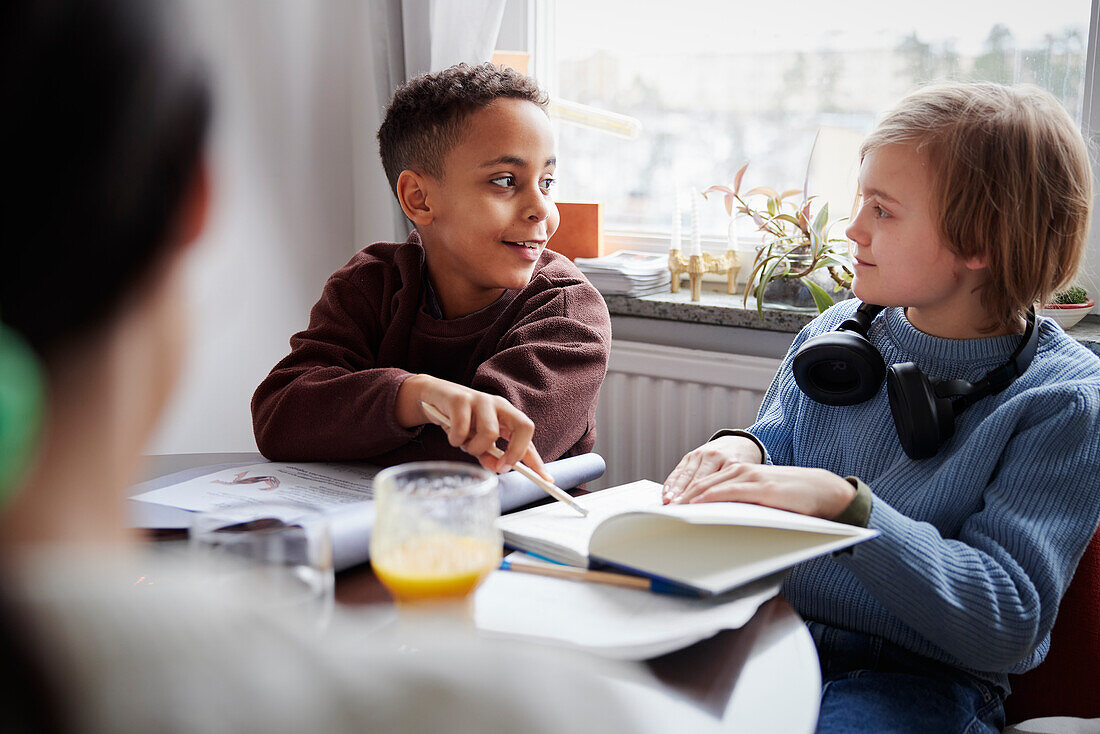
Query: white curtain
column 463, row 31
column 301, row 88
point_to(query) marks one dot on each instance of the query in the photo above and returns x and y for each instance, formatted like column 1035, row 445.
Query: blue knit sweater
column 979, row 542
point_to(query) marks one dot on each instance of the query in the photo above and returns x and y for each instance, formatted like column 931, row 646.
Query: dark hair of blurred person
column 104, row 121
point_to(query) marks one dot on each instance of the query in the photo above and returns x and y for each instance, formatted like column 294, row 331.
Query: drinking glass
column 435, row 536
column 277, row 556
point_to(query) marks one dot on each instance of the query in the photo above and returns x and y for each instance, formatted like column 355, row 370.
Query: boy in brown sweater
column 471, row 314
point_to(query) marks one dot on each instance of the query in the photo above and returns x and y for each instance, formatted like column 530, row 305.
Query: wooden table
column 762, row 677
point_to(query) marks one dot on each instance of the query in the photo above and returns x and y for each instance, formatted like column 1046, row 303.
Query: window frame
column 1089, row 274
column 539, row 17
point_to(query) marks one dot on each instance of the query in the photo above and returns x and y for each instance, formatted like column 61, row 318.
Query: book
column 707, row 548
column 343, row 491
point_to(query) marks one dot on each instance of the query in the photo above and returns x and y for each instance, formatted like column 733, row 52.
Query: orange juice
column 435, row 566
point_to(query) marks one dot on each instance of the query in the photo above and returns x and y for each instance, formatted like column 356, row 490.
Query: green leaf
column 789, row 243
column 755, row 272
column 758, row 293
column 750, row 287
column 761, row 275
column 769, row 272
column 841, row 275
column 821, row 298
column 829, row 227
column 767, row 277
column 835, row 261
column 822, row 217
column 810, row 159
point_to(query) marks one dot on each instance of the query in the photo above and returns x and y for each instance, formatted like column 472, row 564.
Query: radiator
column 660, row 402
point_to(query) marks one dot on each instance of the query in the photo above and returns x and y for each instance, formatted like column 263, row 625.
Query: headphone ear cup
column 838, row 368
column 922, row 419
column 21, row 398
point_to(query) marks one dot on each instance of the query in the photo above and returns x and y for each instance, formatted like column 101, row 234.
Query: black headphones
column 842, row 367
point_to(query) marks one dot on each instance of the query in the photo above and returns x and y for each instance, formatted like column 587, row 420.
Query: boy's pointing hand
column 477, row 421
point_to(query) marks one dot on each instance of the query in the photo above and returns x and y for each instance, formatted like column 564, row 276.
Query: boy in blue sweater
column 970, row 443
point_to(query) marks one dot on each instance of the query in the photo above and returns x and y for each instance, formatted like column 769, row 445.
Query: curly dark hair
column 427, row 115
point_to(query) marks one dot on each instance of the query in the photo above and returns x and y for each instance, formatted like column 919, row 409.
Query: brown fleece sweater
column 544, row 348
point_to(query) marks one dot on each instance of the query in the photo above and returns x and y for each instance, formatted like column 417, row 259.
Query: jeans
column 871, row 685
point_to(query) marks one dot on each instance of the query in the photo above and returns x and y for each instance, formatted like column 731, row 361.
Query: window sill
column 722, row 309
column 1087, row 331
column 714, row 308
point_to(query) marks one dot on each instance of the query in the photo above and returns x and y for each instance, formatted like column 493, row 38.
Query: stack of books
column 627, row 272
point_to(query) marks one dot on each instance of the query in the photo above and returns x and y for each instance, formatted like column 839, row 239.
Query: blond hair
column 1011, row 182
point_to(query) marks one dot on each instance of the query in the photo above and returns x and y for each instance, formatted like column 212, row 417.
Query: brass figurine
column 727, row 264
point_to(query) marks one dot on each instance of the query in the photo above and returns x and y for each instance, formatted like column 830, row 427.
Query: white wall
column 289, row 171
column 300, row 91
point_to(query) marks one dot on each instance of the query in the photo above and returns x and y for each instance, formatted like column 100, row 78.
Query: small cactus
column 1073, row 294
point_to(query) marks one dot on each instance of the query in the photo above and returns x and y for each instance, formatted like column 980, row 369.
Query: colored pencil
column 573, row 573
column 552, row 489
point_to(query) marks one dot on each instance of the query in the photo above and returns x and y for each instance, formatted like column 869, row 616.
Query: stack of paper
column 626, row 272
column 610, row 621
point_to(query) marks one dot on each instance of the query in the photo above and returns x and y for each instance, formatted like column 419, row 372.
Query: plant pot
column 1067, row 314
column 792, row 293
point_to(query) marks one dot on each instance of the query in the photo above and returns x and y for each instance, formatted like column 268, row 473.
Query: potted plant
column 798, row 261
column 1069, row 306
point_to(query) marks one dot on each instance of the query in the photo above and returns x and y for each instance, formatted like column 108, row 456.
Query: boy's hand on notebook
column 815, row 492
column 708, row 459
column 477, row 421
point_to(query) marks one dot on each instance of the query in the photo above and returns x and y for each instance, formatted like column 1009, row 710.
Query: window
column 717, row 83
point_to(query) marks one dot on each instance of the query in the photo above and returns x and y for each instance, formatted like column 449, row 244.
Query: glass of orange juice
column 435, row 536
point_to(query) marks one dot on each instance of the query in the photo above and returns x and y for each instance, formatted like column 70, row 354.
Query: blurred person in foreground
column 105, row 118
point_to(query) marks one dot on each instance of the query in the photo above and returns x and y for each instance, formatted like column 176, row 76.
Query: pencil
column 551, row 489
column 579, row 574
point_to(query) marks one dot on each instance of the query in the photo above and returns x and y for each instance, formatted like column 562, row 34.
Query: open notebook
column 707, row 548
